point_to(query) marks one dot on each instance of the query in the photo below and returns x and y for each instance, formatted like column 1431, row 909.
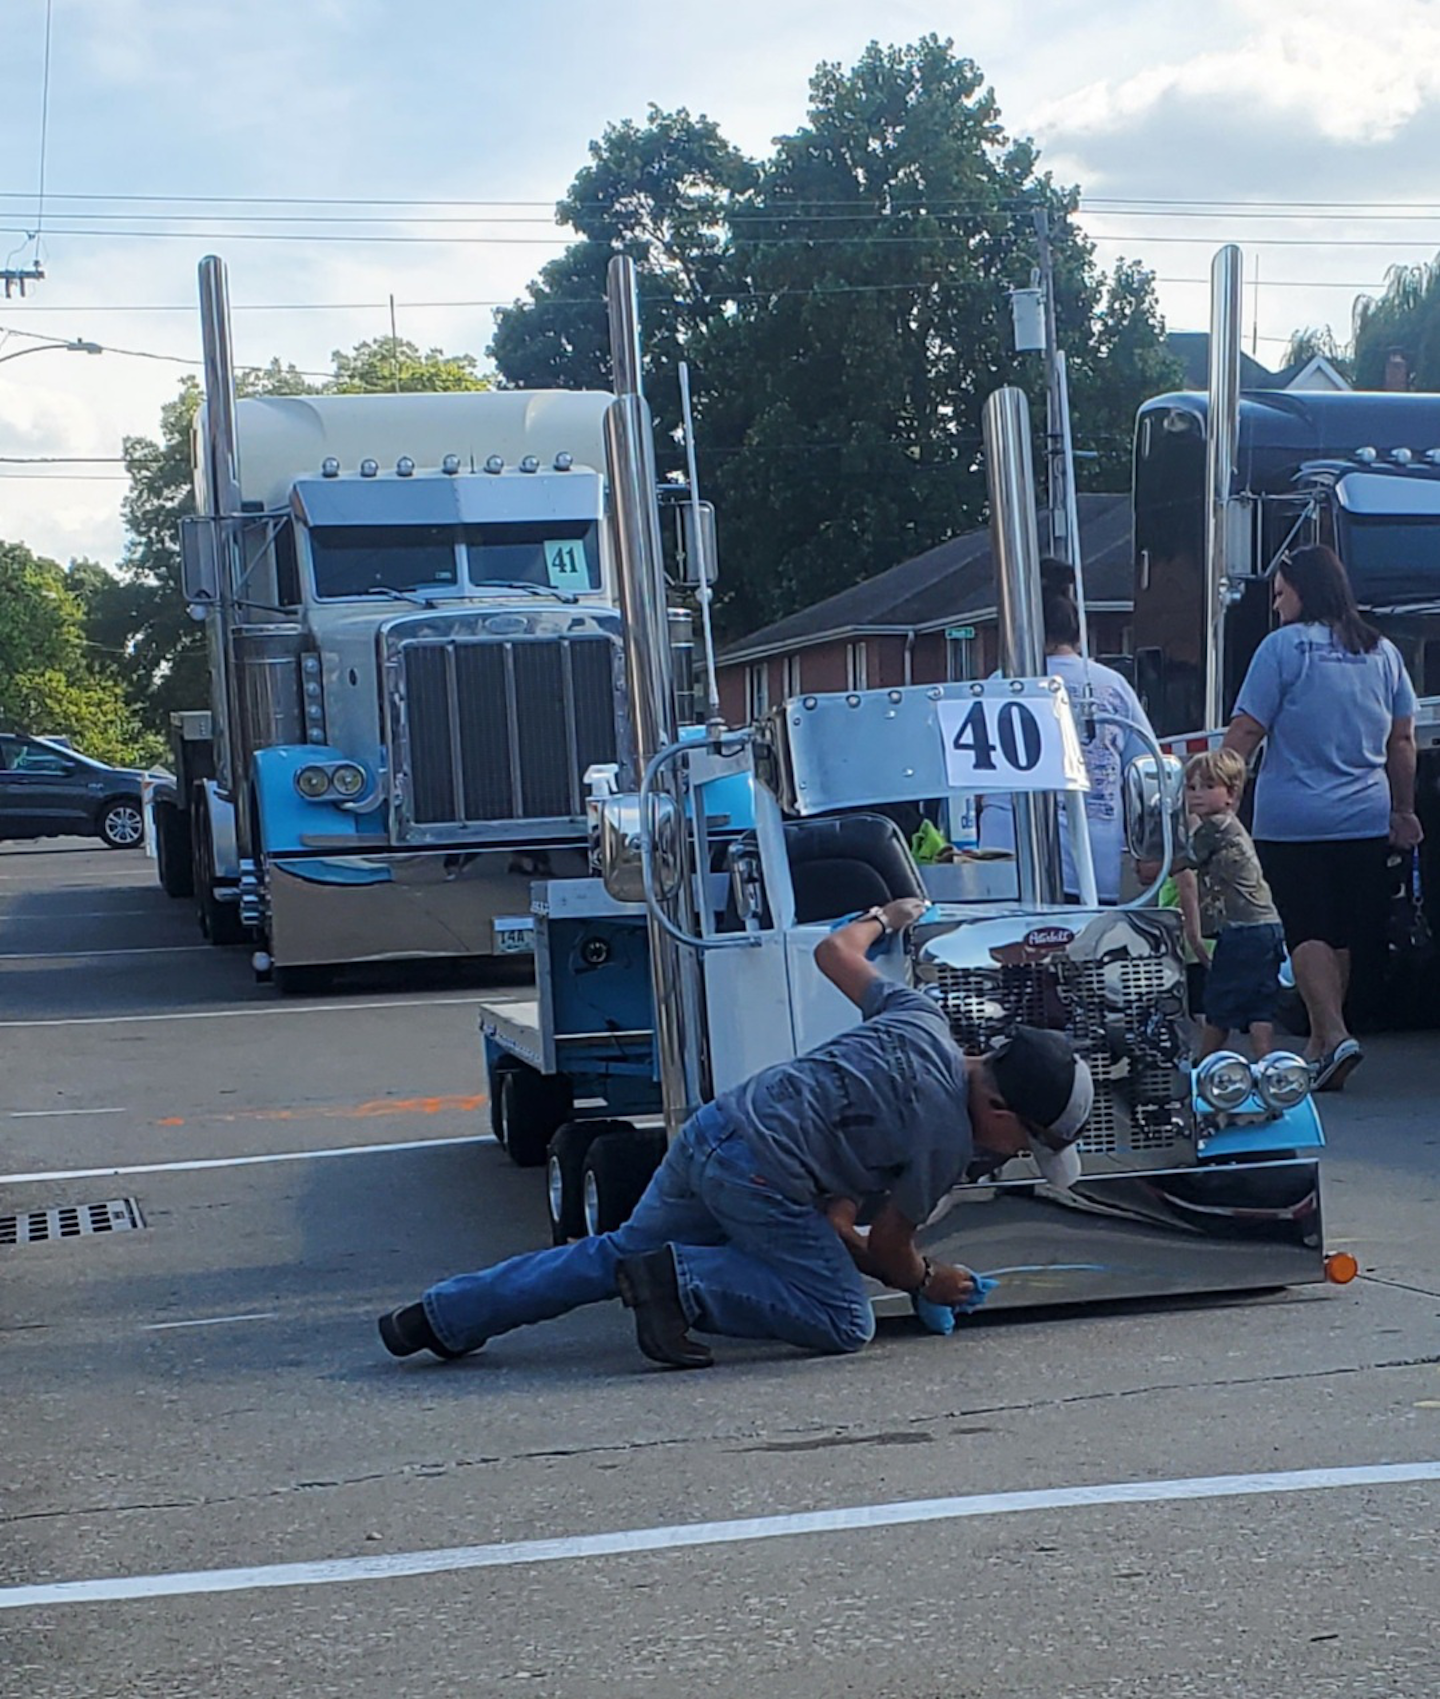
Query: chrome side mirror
column 199, row 563
column 746, row 883
column 1152, row 790
column 621, row 862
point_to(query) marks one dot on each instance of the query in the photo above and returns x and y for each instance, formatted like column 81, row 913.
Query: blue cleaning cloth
column 941, row 1318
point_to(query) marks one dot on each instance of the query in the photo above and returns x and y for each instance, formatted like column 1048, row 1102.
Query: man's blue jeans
column 752, row 1263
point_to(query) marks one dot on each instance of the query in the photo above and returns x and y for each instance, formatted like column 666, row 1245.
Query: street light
column 77, row 346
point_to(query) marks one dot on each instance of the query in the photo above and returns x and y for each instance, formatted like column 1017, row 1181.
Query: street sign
column 960, row 633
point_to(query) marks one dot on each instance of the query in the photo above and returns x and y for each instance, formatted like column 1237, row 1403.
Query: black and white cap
column 1050, row 1089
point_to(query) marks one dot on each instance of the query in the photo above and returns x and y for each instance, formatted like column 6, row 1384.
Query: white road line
column 73, row 914
column 37, row 1114
column 86, row 955
column 195, row 1164
column 208, row 1321
column 632, row 1540
column 288, row 1009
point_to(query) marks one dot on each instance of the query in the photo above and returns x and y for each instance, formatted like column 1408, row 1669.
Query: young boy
column 1232, row 900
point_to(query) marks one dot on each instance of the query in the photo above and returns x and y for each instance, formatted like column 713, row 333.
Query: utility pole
column 1058, row 475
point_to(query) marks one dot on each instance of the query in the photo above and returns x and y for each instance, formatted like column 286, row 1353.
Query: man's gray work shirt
column 878, row 1110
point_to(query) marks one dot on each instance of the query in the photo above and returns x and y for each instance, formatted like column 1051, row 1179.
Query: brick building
column 927, row 620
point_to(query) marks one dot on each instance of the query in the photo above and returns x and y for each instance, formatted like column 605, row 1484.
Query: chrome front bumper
column 397, row 904
column 1165, row 1233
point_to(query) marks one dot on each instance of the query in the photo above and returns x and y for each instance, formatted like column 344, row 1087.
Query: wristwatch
column 929, row 1267
column 878, row 913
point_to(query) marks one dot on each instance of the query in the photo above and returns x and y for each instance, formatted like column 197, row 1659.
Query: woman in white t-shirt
column 1106, row 748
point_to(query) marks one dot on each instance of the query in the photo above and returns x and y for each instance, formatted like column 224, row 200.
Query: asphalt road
column 213, row 1481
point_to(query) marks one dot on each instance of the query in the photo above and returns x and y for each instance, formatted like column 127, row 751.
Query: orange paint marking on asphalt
column 376, row 1108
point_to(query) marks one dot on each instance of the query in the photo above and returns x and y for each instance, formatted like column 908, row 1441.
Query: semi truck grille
column 503, row 730
column 1114, row 1013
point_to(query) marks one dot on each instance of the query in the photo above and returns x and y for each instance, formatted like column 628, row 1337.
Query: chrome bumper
column 1231, row 1227
column 387, row 906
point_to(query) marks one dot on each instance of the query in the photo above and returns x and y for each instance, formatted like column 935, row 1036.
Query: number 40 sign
column 1003, row 741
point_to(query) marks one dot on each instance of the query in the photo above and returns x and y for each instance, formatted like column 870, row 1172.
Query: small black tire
column 121, row 824
column 565, row 1175
column 532, row 1106
column 495, row 1083
column 618, row 1168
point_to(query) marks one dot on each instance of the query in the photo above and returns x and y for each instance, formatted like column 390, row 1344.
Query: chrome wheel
column 122, row 826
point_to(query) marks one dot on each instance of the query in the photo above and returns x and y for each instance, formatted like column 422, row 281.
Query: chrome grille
column 1113, row 1013
column 503, row 730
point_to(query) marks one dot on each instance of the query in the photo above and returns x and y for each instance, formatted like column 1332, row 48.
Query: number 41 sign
column 1002, row 741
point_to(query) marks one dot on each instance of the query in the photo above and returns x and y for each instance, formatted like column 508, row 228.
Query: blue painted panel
column 285, row 815
column 1298, row 1129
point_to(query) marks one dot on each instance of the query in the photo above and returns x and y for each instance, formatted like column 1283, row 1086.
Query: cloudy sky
column 295, row 137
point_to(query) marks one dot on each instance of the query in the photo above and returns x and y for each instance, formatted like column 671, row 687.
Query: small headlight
column 312, row 782
column 1282, row 1080
column 1224, row 1080
column 347, row 779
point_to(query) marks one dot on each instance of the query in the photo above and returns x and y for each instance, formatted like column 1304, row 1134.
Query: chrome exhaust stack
column 635, row 532
column 1221, row 448
column 219, row 502
column 1015, row 544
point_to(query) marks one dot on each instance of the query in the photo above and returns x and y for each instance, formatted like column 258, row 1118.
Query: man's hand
column 903, row 912
column 949, row 1285
column 842, row 956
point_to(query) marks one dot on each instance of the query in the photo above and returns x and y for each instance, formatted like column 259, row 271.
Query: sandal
column 1337, row 1065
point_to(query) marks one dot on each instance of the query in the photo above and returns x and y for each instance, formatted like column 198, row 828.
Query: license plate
column 515, row 937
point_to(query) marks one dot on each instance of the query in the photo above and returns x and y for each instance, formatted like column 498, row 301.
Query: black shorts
column 1244, row 982
column 1329, row 892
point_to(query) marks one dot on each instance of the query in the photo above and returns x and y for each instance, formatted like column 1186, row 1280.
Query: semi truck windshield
column 1391, row 559
column 353, row 560
column 561, row 555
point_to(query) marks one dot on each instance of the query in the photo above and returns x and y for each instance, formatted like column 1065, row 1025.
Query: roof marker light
column 529, row 464
column 450, row 465
column 405, row 467
column 369, row 468
column 563, row 461
column 1401, row 456
column 1366, row 456
column 329, row 467
column 494, row 463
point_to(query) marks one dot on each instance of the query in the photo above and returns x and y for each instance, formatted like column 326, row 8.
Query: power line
column 1157, row 205
column 937, row 239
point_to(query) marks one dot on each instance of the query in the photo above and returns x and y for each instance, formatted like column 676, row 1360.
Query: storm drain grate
column 70, row 1221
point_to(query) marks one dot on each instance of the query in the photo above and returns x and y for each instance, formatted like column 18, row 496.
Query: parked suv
column 49, row 790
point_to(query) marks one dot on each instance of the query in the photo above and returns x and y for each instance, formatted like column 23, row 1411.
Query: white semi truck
column 415, row 655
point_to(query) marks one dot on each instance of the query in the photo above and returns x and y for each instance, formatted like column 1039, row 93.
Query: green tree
column 844, row 309
column 665, row 193
column 48, row 681
column 885, row 238
column 390, row 363
column 1405, row 319
column 1120, row 363
column 1305, row 344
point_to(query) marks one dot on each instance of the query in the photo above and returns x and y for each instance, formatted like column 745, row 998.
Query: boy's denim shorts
column 1243, row 985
